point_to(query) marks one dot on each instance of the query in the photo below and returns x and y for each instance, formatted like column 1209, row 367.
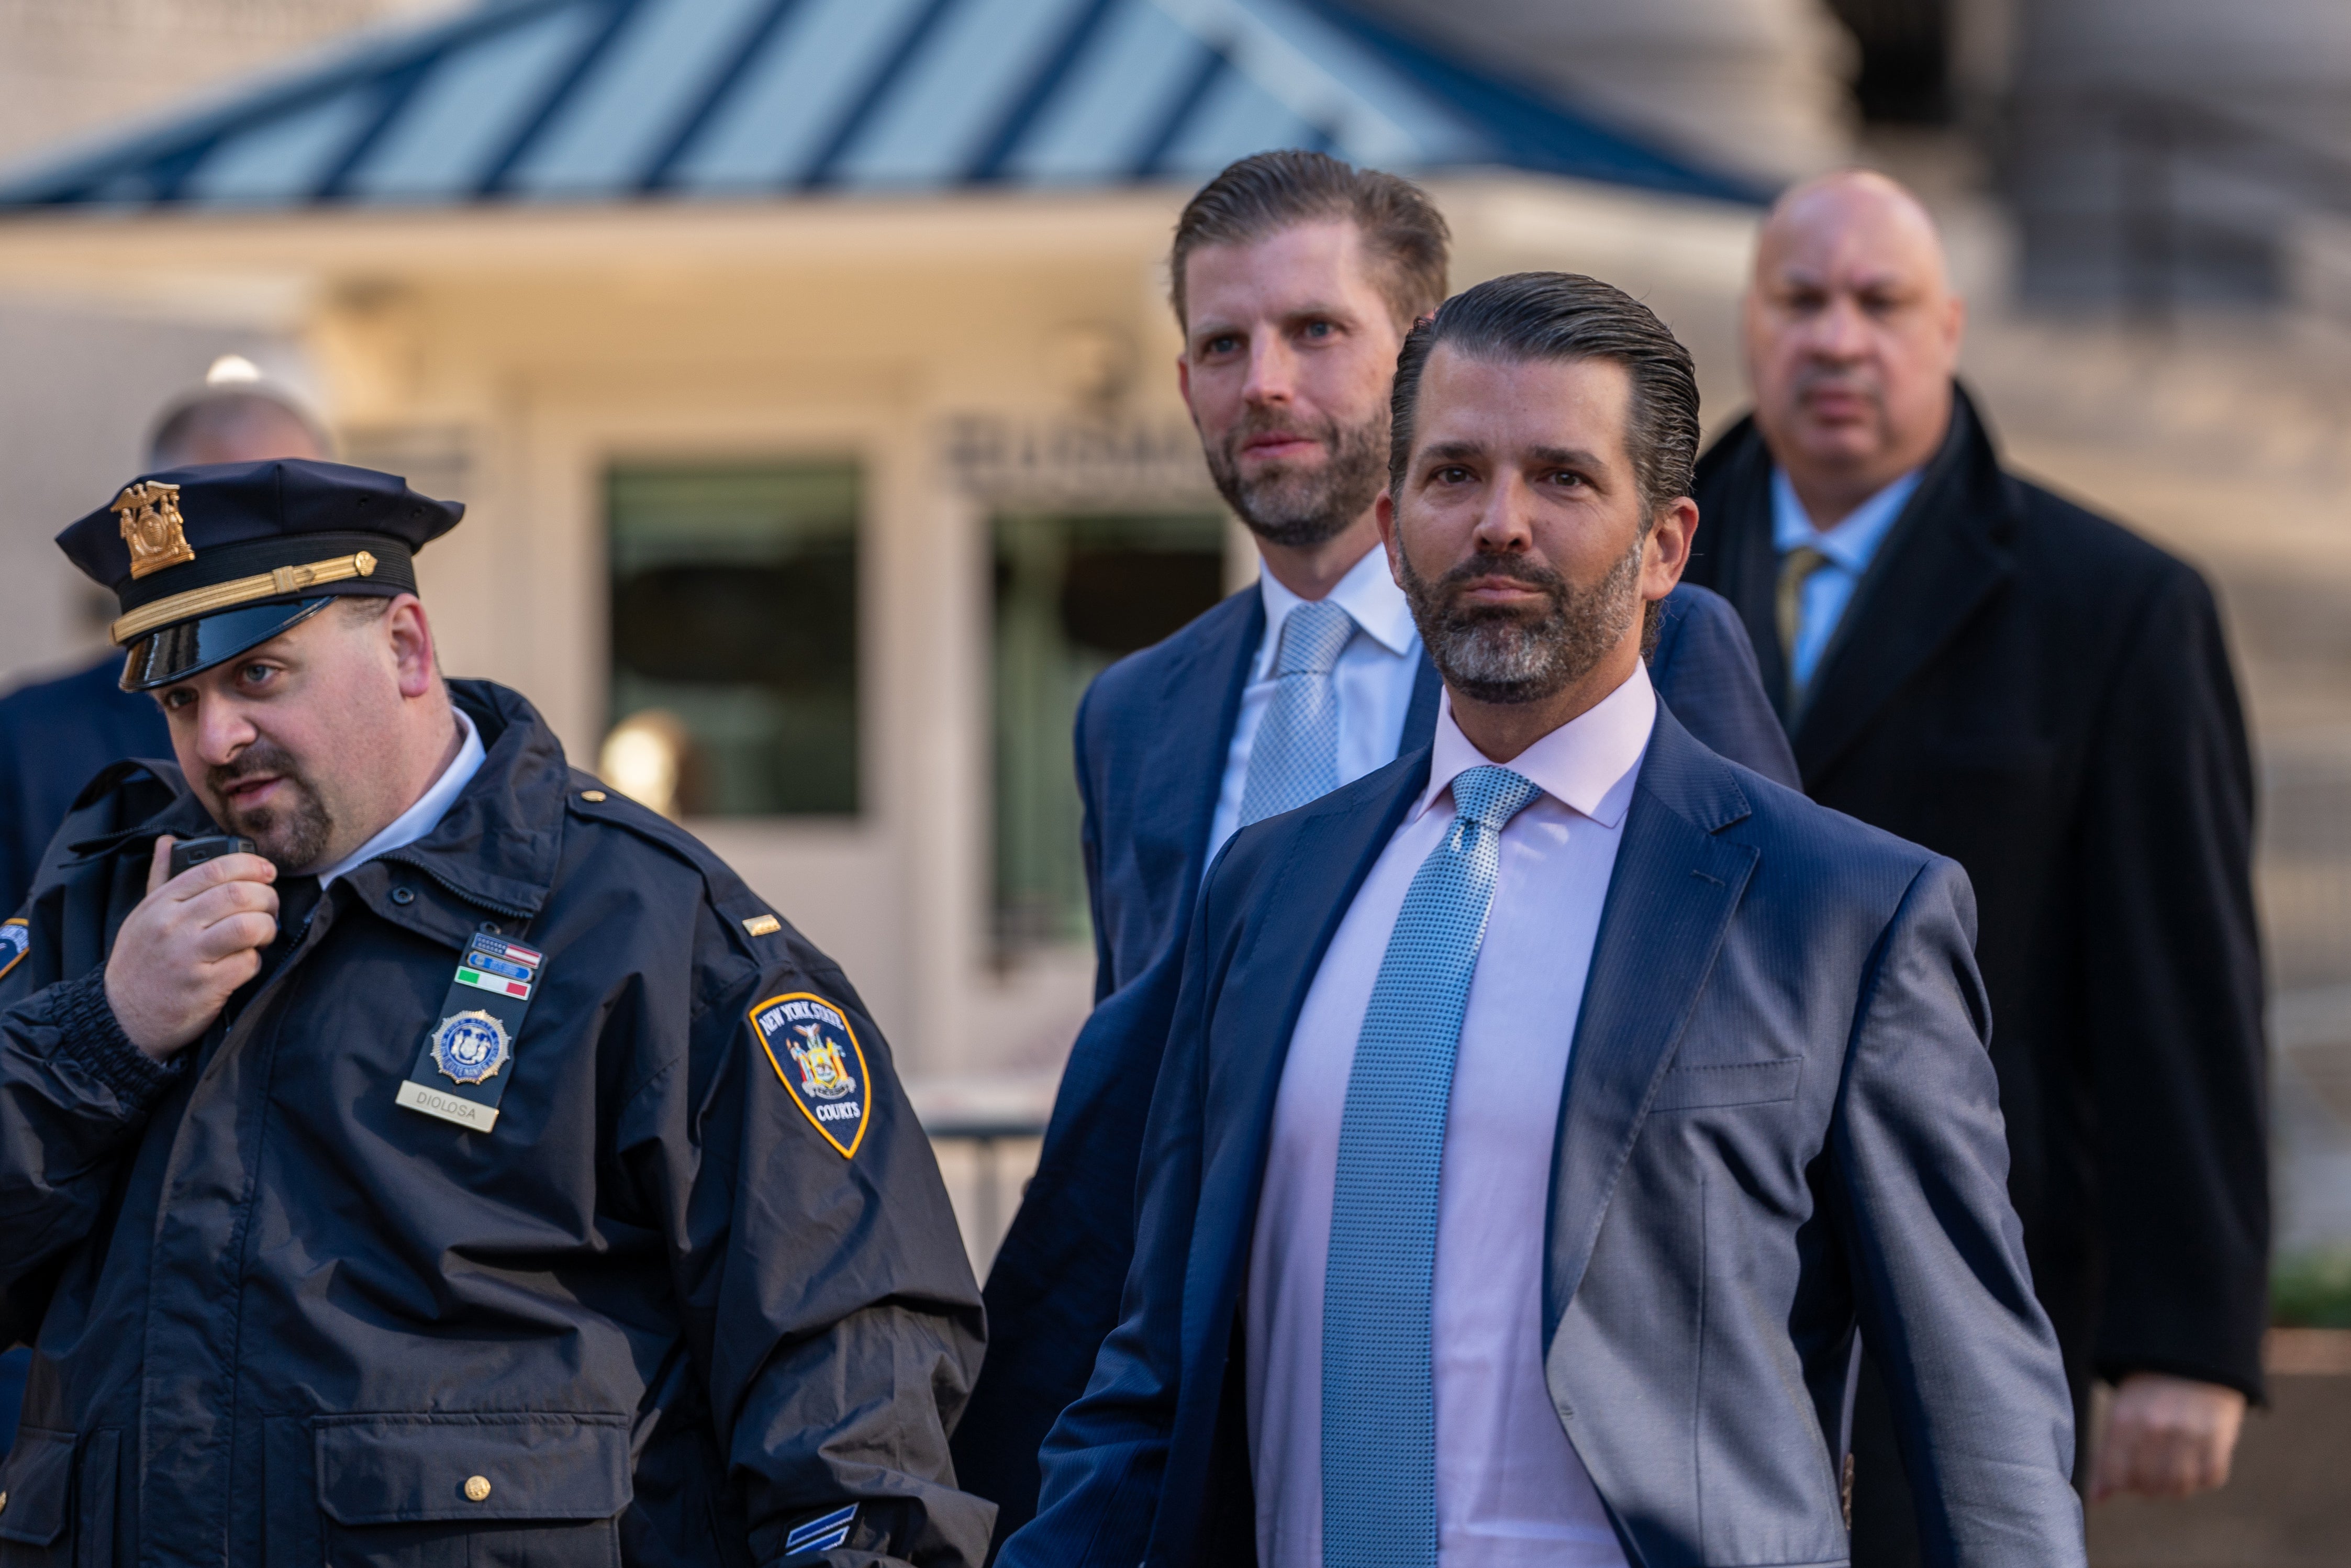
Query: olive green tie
column 1796, row 569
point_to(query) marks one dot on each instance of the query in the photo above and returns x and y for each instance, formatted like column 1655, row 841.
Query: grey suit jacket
column 1779, row 1122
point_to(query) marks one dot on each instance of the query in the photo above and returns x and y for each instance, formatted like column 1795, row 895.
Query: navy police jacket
column 659, row 1314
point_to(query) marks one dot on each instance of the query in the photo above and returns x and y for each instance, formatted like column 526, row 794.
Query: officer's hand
column 187, row 947
column 2167, row 1437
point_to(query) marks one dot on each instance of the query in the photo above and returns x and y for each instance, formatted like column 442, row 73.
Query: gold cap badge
column 152, row 527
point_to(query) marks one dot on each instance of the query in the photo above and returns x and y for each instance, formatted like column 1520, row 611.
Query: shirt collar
column 1587, row 763
column 1854, row 540
column 1368, row 593
column 425, row 815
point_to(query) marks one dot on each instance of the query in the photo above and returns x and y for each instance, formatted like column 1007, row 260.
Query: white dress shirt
column 425, row 815
column 1850, row 547
column 1374, row 676
column 1510, row 1490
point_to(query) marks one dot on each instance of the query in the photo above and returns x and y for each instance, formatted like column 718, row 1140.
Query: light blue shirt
column 1373, row 678
column 1849, row 547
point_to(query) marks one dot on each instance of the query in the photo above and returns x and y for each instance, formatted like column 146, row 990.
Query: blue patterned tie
column 1295, row 757
column 1379, row 1406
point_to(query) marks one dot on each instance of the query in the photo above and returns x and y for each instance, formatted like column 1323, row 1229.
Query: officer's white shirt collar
column 425, row 815
column 1368, row 593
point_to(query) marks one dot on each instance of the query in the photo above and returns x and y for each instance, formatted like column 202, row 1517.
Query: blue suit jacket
column 1152, row 738
column 55, row 738
column 1779, row 1119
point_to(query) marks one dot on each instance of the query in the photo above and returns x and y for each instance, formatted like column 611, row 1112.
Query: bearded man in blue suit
column 1296, row 278
column 1544, row 1113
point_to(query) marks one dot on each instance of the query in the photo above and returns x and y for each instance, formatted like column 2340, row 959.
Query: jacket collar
column 499, row 843
column 1211, row 665
column 496, row 847
column 1951, row 548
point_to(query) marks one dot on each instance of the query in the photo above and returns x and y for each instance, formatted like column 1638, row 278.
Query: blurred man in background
column 1967, row 660
column 56, row 736
column 1295, row 278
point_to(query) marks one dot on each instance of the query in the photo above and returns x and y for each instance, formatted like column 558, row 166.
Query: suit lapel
column 1671, row 900
column 1948, row 552
column 1200, row 703
column 1334, row 847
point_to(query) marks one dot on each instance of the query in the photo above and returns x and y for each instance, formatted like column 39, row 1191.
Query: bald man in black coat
column 1975, row 664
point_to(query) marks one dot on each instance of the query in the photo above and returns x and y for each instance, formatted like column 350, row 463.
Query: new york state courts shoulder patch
column 814, row 1051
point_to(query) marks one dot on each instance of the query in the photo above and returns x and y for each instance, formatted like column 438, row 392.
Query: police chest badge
column 15, row 941
column 814, row 1051
column 461, row 1073
column 470, row 1047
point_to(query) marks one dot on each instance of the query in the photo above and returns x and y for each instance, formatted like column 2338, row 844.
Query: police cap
column 210, row 561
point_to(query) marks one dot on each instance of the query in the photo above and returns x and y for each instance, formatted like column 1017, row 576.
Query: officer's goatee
column 1502, row 655
column 292, row 836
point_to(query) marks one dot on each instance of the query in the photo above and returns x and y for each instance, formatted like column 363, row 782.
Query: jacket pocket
column 1701, row 1085
column 466, row 1491
column 36, row 1499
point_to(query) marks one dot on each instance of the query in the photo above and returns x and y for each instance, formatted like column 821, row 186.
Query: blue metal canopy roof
column 599, row 100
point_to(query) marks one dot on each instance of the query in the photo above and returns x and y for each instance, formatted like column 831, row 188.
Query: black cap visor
column 192, row 647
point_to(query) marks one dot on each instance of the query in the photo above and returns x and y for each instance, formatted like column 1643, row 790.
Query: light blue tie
column 1379, row 1406
column 1295, row 757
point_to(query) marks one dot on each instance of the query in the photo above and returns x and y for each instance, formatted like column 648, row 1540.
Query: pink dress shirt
column 1510, row 1490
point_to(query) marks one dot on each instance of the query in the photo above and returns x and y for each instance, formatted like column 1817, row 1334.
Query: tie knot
column 1492, row 796
column 1801, row 562
column 1311, row 639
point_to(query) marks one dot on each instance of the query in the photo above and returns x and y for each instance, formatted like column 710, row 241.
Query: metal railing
column 987, row 1136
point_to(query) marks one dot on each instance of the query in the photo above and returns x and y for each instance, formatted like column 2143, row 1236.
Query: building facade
column 808, row 374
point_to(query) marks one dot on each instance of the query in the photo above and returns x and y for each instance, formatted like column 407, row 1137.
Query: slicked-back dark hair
column 1266, row 192
column 1567, row 316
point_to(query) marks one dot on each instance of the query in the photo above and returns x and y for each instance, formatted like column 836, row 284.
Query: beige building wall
column 83, row 375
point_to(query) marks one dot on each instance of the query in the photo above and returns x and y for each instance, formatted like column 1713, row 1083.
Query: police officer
column 477, row 1172
column 56, row 734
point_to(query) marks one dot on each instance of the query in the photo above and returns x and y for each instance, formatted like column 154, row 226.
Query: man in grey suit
column 1544, row 1112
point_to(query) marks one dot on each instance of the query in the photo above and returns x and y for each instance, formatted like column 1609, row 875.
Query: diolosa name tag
column 467, row 1059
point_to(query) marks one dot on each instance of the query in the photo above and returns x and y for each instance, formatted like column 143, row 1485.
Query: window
column 1073, row 594
column 734, row 630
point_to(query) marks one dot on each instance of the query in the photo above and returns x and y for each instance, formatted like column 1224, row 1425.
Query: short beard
column 1299, row 508
column 1506, row 656
column 292, row 837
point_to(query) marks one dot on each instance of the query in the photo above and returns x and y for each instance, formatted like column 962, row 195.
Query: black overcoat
column 2046, row 697
column 656, row 1315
